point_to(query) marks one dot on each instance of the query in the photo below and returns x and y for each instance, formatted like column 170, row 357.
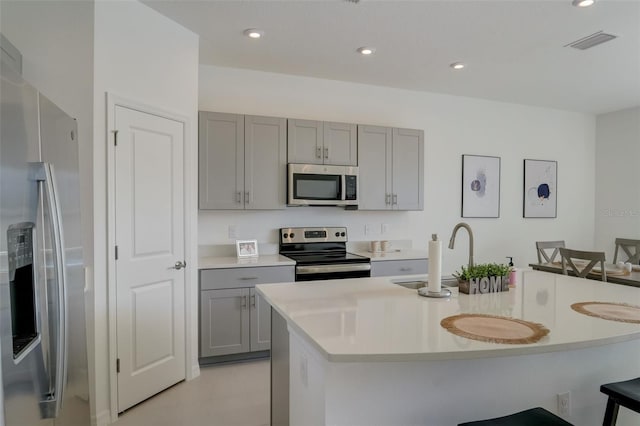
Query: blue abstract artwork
column 540, row 188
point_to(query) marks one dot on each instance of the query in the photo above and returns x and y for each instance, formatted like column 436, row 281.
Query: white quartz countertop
column 216, row 262
column 397, row 254
column 373, row 319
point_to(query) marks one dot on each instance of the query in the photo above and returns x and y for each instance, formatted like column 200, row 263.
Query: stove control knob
column 292, row 235
column 285, row 236
column 337, row 234
column 342, row 234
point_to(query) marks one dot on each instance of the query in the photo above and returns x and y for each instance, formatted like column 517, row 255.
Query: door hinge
column 118, row 365
column 116, row 252
column 115, row 137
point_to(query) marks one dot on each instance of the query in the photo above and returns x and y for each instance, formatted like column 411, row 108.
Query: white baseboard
column 102, row 419
column 195, row 371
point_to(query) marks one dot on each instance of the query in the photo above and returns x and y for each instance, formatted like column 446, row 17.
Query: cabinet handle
column 318, row 152
column 253, row 301
column 243, row 302
column 387, row 199
column 395, row 199
column 239, row 197
column 246, row 197
column 405, row 269
column 247, row 278
column 326, row 152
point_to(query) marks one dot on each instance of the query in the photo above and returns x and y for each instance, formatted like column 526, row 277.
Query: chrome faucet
column 453, row 239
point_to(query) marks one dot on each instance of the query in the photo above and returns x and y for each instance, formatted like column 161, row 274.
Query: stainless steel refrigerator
column 42, row 298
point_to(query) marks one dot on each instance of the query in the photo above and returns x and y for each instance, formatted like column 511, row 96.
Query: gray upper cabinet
column 318, row 142
column 242, row 162
column 374, row 167
column 340, row 144
column 220, row 160
column 265, row 162
column 391, row 164
column 408, row 169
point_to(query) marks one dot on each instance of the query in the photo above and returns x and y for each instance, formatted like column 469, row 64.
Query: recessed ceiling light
column 583, row 3
column 366, row 50
column 253, row 33
column 457, row 65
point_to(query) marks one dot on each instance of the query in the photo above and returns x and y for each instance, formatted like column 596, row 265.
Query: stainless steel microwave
column 321, row 185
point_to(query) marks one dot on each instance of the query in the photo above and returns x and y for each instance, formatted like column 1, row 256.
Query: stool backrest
column 630, row 247
column 542, row 246
column 594, row 257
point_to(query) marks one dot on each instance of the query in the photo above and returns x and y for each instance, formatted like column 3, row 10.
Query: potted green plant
column 483, row 278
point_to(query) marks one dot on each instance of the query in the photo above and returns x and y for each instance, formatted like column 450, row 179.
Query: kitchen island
column 368, row 351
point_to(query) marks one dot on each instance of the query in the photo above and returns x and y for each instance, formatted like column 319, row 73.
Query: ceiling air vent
column 592, row 40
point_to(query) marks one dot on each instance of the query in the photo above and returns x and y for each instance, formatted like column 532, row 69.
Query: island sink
column 416, row 284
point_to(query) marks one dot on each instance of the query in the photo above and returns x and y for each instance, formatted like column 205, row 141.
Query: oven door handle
column 325, row 269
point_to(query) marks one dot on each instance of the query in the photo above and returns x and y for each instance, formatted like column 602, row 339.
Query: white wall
column 147, row 58
column 453, row 126
column 617, row 191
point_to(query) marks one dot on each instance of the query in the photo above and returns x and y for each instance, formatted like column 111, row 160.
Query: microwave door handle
column 51, row 405
column 343, row 182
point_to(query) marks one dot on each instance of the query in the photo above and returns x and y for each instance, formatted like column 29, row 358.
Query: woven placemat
column 494, row 329
column 621, row 312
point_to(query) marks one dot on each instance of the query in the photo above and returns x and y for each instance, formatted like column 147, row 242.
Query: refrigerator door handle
column 51, row 405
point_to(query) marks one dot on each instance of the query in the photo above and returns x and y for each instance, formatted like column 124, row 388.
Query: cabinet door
column 389, row 268
column 408, row 169
column 260, row 322
column 221, row 160
column 265, row 165
column 224, row 322
column 374, row 164
column 340, row 144
column 305, row 141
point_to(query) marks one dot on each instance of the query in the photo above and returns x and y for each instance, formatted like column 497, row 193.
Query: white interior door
column 150, row 240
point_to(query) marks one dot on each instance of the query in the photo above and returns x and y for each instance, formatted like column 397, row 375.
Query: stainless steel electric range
column 321, row 254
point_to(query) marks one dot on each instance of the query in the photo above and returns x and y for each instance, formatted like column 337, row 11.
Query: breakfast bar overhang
column 367, row 351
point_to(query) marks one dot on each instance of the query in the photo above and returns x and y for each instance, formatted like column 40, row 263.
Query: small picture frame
column 480, row 186
column 540, row 192
column 247, row 248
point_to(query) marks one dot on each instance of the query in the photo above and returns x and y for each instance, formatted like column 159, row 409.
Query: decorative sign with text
column 484, row 285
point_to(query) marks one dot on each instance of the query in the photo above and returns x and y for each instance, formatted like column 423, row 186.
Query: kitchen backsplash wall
column 453, row 126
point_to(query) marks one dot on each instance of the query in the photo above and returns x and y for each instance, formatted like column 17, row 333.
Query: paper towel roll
column 435, row 265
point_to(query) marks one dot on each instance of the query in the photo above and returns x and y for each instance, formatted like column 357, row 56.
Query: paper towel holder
column 442, row 294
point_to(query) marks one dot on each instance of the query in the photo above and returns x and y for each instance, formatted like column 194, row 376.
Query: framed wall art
column 247, row 248
column 480, row 186
column 540, row 194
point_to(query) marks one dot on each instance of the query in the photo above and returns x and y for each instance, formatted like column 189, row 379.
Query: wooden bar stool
column 532, row 417
column 625, row 393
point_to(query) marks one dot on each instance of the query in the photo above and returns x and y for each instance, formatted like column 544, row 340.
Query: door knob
column 179, row 265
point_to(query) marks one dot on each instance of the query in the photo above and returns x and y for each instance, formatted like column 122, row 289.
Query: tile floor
column 224, row 395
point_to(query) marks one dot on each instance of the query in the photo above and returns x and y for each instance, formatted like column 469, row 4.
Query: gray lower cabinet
column 391, row 167
column 388, row 268
column 224, row 322
column 242, row 162
column 234, row 318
